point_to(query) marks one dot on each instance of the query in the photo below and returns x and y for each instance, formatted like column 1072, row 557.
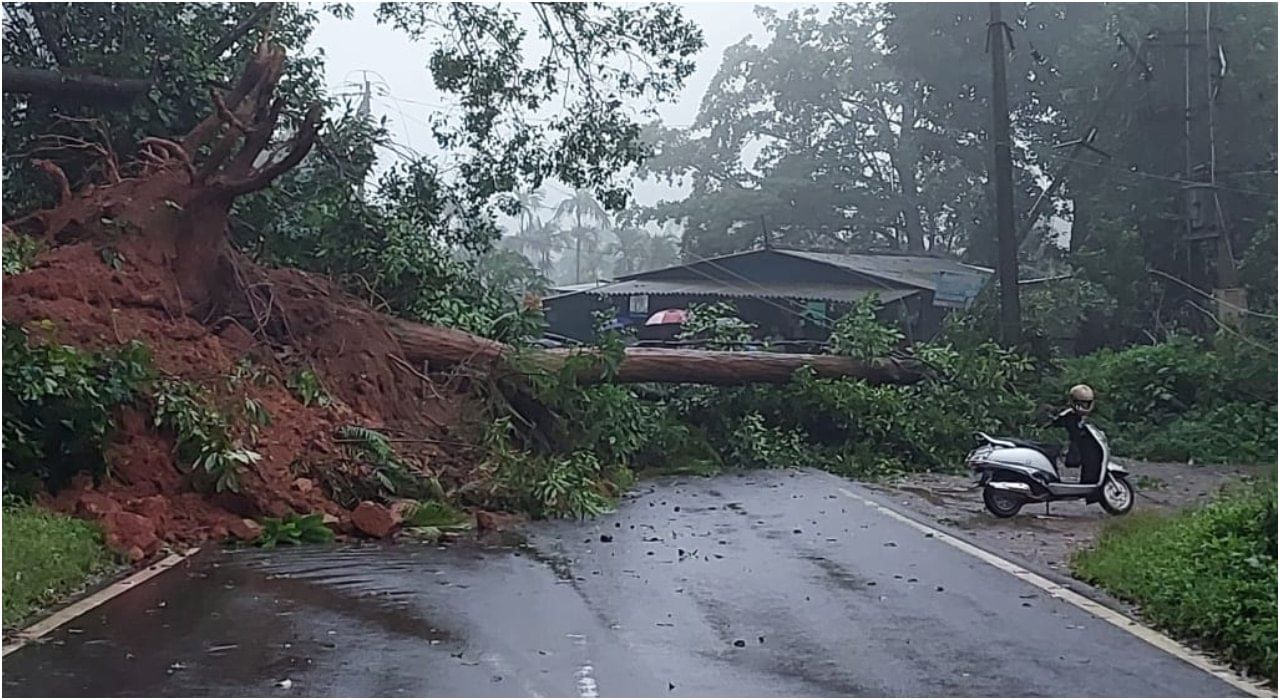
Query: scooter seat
column 1049, row 450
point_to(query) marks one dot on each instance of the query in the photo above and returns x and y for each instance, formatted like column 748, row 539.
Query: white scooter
column 1015, row 472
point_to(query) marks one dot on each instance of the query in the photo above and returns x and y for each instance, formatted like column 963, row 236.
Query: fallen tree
column 444, row 346
column 177, row 203
column 83, row 87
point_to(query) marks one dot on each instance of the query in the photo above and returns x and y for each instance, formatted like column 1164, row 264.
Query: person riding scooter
column 1081, row 451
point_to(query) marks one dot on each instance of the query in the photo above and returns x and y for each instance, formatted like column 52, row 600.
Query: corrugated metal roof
column 817, row 291
column 915, row 270
column 571, row 288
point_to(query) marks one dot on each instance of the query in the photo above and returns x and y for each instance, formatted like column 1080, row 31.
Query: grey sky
column 404, row 93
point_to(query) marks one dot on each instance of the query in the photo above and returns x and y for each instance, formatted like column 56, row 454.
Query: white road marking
column 586, row 684
column 84, row 605
column 587, row 687
column 1137, row 629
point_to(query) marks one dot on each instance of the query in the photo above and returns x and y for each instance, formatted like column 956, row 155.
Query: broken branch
column 83, row 88
column 240, row 30
column 263, row 177
column 59, row 178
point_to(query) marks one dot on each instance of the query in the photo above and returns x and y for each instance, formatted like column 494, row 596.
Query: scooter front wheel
column 1002, row 504
column 1117, row 495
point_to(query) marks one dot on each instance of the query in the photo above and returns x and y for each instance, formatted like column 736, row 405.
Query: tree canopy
column 411, row 242
column 865, row 126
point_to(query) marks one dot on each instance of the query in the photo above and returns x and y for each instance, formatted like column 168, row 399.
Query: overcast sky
column 403, row 91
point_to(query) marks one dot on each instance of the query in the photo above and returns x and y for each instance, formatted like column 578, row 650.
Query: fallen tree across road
column 445, row 347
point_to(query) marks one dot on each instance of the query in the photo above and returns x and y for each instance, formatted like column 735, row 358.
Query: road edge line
column 89, row 602
column 1151, row 636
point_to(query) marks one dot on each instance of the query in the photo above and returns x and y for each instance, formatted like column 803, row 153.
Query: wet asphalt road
column 766, row 584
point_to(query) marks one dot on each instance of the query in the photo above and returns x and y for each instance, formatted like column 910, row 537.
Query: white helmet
column 1081, row 398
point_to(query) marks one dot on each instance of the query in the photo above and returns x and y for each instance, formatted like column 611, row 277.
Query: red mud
column 146, row 498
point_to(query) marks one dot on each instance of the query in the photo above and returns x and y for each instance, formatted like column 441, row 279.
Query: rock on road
column 761, row 584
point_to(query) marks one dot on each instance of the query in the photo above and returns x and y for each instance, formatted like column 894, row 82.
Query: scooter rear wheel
column 1117, row 495
column 1002, row 504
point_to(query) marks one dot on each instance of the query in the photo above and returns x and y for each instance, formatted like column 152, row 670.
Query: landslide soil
column 72, row 295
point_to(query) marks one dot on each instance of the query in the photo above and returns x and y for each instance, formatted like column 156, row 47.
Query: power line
column 1164, row 178
column 1227, row 328
column 1209, row 296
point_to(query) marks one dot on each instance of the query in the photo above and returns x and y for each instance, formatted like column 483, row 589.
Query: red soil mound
column 147, row 498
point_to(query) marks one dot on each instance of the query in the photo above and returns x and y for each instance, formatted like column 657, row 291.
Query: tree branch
column 48, row 31
column 59, row 178
column 301, row 145
column 256, row 140
column 262, row 69
column 85, row 88
column 240, row 30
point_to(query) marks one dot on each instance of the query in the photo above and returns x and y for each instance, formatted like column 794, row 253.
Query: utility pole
column 1006, row 239
column 1205, row 225
column 365, row 112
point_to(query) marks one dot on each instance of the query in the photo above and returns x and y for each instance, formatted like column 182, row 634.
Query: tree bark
column 444, row 347
column 85, row 88
column 905, row 164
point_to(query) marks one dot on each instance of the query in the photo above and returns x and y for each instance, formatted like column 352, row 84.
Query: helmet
column 1081, row 398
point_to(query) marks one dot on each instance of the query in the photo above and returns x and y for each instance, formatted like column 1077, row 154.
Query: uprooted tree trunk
column 658, row 365
column 178, row 202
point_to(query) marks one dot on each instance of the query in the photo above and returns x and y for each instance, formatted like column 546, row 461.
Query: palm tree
column 536, row 240
column 544, row 239
column 530, row 203
column 579, row 205
column 664, row 250
column 631, row 249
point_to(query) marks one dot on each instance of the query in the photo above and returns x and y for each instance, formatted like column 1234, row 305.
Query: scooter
column 1014, row 472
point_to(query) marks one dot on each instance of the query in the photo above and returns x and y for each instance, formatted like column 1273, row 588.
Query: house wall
column 573, row 315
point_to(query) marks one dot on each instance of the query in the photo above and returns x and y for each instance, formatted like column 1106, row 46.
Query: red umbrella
column 667, row 317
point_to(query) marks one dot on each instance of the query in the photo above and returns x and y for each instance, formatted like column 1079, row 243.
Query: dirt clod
column 374, row 520
column 130, row 533
column 244, row 529
column 487, row 521
column 95, row 505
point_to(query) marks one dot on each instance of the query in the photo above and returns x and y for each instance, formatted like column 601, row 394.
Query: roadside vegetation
column 1209, row 400
column 46, row 556
column 1207, row 574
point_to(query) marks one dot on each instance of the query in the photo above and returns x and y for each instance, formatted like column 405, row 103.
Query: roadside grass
column 1206, row 575
column 46, row 557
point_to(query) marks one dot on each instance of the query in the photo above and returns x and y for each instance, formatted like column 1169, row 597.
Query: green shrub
column 294, row 529
column 394, row 477
column 306, row 387
column 1228, row 433
column 435, row 514
column 1207, row 574
column 1183, row 399
column 19, row 252
column 756, row 445
column 859, row 334
column 58, row 407
column 556, row 487
column 46, row 556
column 716, row 325
column 202, row 436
